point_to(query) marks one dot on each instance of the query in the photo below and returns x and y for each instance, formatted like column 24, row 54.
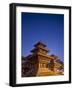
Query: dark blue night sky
column 48, row 28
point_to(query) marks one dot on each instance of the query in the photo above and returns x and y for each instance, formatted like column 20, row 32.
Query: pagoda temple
column 40, row 63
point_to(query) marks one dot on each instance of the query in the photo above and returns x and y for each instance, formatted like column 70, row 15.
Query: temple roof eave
column 39, row 48
column 39, row 54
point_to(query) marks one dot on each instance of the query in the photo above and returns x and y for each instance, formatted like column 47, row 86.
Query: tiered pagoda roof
column 39, row 47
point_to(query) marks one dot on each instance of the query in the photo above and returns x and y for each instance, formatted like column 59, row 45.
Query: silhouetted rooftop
column 40, row 43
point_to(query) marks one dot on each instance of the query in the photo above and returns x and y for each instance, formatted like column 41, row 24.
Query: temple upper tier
column 40, row 48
